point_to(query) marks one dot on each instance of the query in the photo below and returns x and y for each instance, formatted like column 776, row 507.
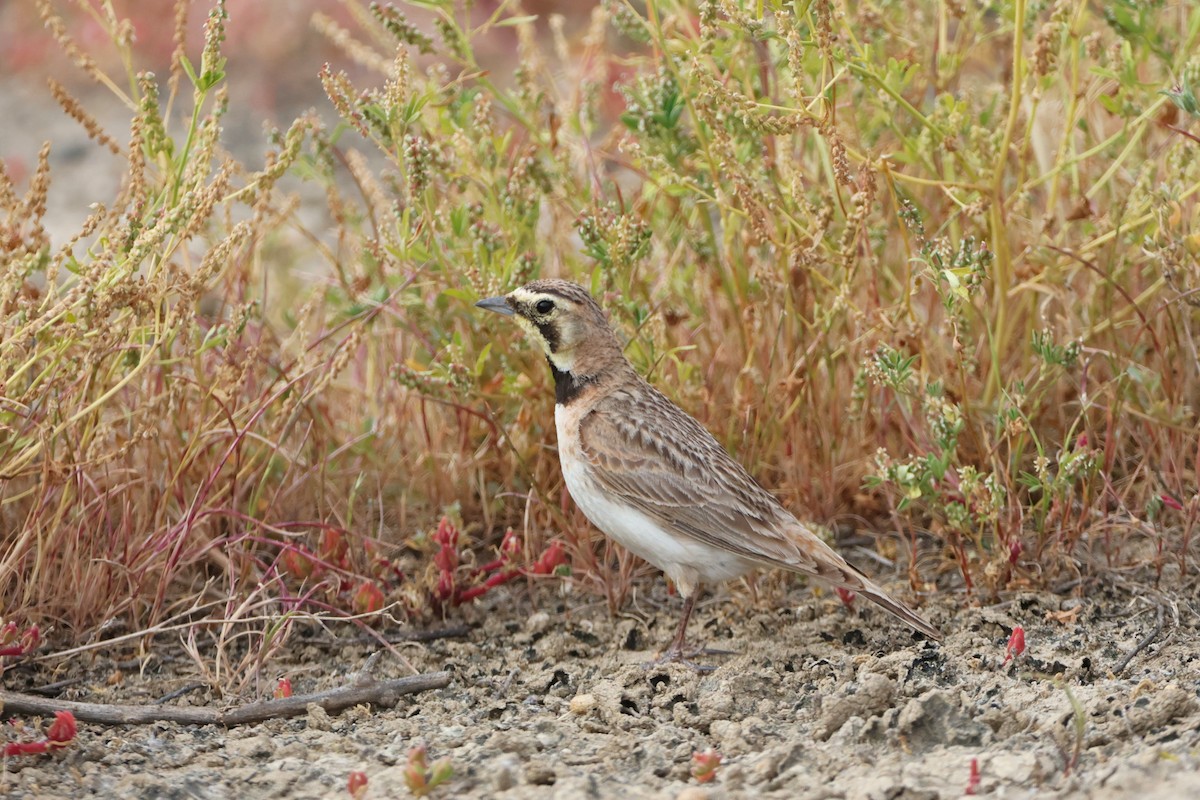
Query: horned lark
column 650, row 476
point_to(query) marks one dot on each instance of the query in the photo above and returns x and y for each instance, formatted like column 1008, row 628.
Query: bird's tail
column 812, row 556
column 881, row 598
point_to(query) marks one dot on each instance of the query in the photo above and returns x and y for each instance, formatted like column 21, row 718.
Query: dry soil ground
column 819, row 703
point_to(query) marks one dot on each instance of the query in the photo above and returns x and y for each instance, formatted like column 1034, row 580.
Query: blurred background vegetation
column 931, row 270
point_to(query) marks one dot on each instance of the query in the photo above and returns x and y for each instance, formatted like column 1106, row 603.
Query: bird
column 655, row 480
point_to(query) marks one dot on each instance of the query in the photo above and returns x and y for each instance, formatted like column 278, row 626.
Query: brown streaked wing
column 645, row 449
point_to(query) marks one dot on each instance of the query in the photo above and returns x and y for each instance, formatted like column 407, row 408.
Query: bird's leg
column 679, row 651
column 676, row 651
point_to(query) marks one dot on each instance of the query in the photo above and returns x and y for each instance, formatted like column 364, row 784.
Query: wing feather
column 679, row 475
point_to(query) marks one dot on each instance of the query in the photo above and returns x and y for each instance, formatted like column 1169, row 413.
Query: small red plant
column 444, row 592
column 454, row 590
column 510, row 546
column 453, row 582
column 15, row 642
column 356, row 784
column 422, row 778
column 973, row 778
column 298, row 563
column 61, row 733
column 1170, row 502
column 551, row 560
column 847, row 597
column 383, row 568
column 704, row 765
column 283, row 688
column 1016, row 644
column 368, row 598
column 333, row 548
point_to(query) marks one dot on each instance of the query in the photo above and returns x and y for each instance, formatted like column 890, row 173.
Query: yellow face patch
column 548, row 318
column 554, row 319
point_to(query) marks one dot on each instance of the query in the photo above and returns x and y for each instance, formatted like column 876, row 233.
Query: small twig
column 1143, row 644
column 53, row 689
column 366, row 676
column 504, row 687
column 1123, row 614
column 182, row 690
column 1063, row 588
column 380, row 693
column 1191, row 136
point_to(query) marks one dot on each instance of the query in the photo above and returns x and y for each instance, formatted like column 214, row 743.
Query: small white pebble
column 582, row 704
column 537, row 622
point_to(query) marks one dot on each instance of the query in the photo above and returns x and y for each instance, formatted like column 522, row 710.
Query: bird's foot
column 684, row 656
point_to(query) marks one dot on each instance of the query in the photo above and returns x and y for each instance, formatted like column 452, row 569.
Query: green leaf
column 214, row 337
column 511, row 21
column 481, row 360
column 189, row 70
column 463, row 295
column 213, row 76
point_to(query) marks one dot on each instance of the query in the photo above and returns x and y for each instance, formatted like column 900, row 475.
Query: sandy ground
column 819, row 703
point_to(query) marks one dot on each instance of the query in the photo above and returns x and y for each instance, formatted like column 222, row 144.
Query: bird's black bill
column 497, row 304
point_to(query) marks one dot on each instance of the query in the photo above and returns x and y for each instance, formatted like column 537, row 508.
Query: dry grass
column 922, row 269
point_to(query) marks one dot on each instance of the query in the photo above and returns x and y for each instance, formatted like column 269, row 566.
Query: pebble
column 582, row 704
column 318, row 719
column 505, row 772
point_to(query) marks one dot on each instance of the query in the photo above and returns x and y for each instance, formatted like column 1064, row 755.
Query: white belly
column 685, row 560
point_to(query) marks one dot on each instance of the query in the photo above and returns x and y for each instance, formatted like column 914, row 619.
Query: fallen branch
column 364, row 689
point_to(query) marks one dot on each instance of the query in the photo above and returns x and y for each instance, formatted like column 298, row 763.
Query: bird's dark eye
column 544, row 306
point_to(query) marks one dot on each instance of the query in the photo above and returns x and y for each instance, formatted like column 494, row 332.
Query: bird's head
column 564, row 320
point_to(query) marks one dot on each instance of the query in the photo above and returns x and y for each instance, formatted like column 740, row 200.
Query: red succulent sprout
column 1016, row 644
column 973, row 778
column 550, row 560
column 15, row 642
column 60, row 733
column 511, row 546
column 368, row 598
column 298, row 562
column 444, row 590
column 334, row 547
column 446, row 558
column 704, row 765
column 446, row 534
column 356, row 784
